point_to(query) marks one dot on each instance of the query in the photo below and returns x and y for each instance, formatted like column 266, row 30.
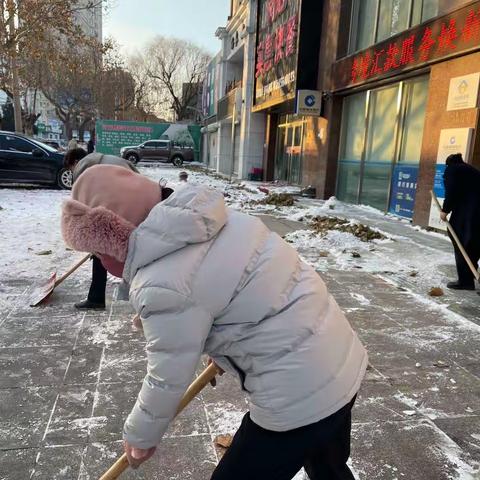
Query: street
column 68, row 379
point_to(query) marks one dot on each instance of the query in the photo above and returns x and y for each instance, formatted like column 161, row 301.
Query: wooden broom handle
column 72, row 269
column 193, row 390
column 457, row 240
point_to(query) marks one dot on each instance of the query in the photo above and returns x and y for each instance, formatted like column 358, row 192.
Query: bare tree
column 148, row 103
column 71, row 77
column 29, row 110
column 177, row 68
column 116, row 86
column 25, row 26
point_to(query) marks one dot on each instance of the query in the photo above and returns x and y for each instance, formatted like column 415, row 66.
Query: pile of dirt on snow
column 205, row 171
column 278, row 199
column 322, row 225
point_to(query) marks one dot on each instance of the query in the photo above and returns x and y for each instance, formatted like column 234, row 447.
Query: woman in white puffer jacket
column 206, row 279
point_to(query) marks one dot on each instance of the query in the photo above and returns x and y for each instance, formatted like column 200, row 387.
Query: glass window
column 50, row 148
column 367, row 13
column 162, row 145
column 393, row 18
column 151, row 144
column 16, row 144
column 390, row 143
column 296, row 156
column 380, row 147
column 417, row 12
column 429, row 9
column 353, row 134
column 378, row 20
column 281, row 155
column 415, row 101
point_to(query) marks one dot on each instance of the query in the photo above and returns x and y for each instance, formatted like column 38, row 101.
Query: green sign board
column 112, row 135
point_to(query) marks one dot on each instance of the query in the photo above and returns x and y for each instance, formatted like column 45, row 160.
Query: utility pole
column 233, row 135
column 17, row 107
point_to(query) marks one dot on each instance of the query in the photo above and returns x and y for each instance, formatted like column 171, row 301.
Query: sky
column 134, row 22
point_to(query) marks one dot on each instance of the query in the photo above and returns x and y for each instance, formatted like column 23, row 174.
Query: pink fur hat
column 108, row 203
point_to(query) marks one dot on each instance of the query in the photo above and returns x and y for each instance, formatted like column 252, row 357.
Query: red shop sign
column 276, row 51
column 428, row 43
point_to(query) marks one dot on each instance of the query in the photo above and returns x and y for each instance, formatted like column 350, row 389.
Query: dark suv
column 158, row 150
column 26, row 160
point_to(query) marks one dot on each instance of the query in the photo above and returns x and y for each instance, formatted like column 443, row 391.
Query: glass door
column 289, row 151
column 405, row 172
column 380, row 147
column 295, row 158
column 281, row 155
column 351, row 148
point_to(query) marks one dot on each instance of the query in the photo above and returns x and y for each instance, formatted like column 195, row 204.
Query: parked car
column 52, row 143
column 158, row 150
column 26, row 160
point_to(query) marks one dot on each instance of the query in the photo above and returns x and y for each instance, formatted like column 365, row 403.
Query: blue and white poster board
column 452, row 140
column 404, row 188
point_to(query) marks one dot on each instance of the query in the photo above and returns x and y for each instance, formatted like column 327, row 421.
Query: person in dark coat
column 90, row 146
column 78, row 161
column 462, row 200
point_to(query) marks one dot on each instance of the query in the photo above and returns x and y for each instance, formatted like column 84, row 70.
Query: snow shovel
column 457, row 240
column 193, row 390
column 44, row 290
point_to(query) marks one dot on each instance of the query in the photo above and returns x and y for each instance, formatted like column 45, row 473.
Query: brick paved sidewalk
column 67, row 380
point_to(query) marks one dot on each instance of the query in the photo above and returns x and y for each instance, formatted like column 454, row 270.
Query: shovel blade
column 43, row 291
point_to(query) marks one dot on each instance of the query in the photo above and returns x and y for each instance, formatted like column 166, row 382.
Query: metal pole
column 234, row 114
column 208, row 145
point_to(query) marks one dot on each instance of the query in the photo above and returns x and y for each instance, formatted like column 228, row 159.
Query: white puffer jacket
column 208, row 279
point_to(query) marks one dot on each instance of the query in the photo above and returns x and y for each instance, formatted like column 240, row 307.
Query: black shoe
column 88, row 305
column 459, row 286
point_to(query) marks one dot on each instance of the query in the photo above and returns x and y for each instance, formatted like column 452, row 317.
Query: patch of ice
column 456, row 457
column 89, row 422
column 360, row 298
column 224, row 418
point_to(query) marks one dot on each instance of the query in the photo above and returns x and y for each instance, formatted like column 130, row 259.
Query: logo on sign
column 452, row 140
column 310, row 100
column 462, row 87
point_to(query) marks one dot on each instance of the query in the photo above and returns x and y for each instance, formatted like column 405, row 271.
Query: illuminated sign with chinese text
column 277, row 51
column 433, row 41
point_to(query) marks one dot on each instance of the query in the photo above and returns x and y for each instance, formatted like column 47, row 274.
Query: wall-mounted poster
column 463, row 92
column 404, row 189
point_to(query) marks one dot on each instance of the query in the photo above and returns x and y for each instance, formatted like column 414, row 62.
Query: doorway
column 289, row 151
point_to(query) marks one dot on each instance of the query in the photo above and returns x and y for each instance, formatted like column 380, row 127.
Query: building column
column 252, row 125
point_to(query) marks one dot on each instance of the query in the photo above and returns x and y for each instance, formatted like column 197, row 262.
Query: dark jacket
column 462, row 199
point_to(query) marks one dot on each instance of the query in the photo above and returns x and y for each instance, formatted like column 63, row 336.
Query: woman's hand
column 136, row 456
column 443, row 216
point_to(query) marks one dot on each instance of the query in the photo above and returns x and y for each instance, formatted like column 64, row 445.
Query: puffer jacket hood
column 193, row 214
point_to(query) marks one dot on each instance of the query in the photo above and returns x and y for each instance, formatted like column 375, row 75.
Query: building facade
column 396, row 84
column 90, row 18
column 233, row 135
column 402, row 81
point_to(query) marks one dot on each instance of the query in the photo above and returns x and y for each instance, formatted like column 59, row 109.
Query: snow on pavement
column 30, row 229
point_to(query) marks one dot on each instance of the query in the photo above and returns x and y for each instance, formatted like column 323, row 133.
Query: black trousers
column 99, row 282
column 465, row 275
column 323, row 448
